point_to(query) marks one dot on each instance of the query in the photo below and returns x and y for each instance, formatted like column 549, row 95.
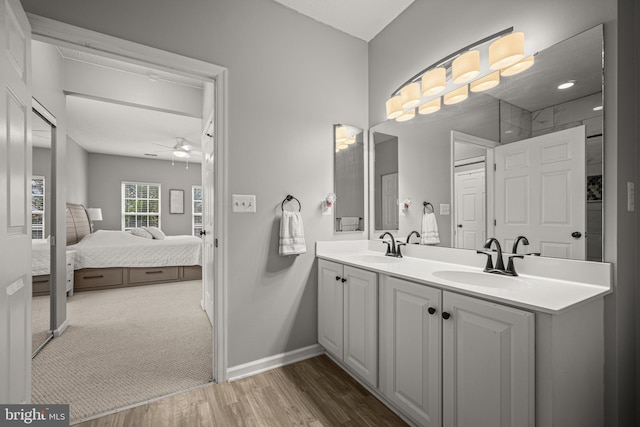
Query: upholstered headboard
column 77, row 223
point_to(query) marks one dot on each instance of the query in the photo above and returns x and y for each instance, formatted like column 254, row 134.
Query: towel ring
column 427, row 205
column 288, row 199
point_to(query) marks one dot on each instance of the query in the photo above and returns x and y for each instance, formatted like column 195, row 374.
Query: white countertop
column 533, row 292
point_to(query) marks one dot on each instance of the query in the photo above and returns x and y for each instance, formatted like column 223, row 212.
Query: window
column 140, row 205
column 37, row 207
column 196, row 209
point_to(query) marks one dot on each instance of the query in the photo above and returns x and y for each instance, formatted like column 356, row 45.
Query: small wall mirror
column 349, row 178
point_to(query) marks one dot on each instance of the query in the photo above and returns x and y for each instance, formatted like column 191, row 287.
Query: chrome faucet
column 391, row 246
column 411, row 234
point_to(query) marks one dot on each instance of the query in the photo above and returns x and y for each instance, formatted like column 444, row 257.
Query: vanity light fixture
column 518, row 67
column 566, row 85
column 341, row 134
column 485, row 83
column 505, row 57
column 351, row 140
column 457, row 95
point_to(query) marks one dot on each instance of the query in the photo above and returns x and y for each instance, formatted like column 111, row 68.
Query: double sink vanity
column 443, row 343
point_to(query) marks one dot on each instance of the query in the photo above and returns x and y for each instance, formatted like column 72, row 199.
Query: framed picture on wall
column 176, row 201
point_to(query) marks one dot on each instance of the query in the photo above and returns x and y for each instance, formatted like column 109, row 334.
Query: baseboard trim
column 61, row 328
column 261, row 365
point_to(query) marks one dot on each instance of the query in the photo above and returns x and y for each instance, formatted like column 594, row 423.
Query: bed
column 115, row 259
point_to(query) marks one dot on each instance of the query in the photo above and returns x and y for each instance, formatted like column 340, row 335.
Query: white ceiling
column 109, row 128
column 363, row 19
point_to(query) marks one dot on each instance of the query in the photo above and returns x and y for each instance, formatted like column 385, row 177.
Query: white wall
column 108, row 172
column 425, row 40
column 77, row 174
column 290, row 79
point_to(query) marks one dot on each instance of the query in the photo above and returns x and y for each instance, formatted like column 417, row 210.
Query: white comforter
column 106, row 248
column 40, row 257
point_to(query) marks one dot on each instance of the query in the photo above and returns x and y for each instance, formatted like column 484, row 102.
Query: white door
column 15, row 209
column 361, row 323
column 410, row 360
column 470, row 209
column 208, row 217
column 330, row 306
column 390, row 201
column 487, row 364
column 541, row 193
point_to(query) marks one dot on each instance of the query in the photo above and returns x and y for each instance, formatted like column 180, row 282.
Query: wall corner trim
column 261, row 365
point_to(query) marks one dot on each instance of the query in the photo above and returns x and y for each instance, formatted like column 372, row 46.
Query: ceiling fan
column 182, row 149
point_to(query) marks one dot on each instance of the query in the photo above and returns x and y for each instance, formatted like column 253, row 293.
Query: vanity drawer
column 152, row 274
column 89, row 278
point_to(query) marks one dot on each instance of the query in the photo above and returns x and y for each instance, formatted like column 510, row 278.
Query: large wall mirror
column 523, row 158
column 349, row 178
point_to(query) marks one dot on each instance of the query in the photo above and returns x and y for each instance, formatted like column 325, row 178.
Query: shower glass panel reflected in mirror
column 42, row 305
column 349, row 178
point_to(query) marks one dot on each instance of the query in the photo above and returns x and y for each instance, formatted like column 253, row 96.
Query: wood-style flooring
column 314, row 392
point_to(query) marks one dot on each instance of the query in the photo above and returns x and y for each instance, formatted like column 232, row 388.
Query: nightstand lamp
column 94, row 214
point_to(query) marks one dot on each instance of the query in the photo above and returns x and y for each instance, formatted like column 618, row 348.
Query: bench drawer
column 152, row 274
column 97, row 277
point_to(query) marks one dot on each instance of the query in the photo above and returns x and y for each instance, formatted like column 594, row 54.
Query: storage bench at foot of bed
column 89, row 279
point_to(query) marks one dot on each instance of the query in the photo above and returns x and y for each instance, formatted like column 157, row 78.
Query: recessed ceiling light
column 598, row 108
column 567, row 84
column 150, row 155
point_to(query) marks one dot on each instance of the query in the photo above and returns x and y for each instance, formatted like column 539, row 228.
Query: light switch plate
column 242, row 203
column 445, row 209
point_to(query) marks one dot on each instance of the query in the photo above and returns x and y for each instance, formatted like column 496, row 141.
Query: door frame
column 61, row 34
column 489, row 176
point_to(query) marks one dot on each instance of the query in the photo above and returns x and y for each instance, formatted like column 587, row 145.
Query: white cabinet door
column 488, row 364
column 411, row 350
column 330, row 306
column 361, row 323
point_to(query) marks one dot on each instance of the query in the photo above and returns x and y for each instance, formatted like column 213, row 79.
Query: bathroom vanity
column 443, row 343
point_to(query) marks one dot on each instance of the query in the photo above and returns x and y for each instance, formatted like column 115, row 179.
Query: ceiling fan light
column 406, row 115
column 410, row 95
column 465, row 67
column 394, row 107
column 431, row 106
column 180, row 153
column 341, row 134
column 506, row 51
column 523, row 64
column 486, row 83
column 434, row 82
column 456, row 95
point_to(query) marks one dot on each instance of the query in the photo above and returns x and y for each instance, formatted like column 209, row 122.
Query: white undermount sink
column 485, row 280
column 375, row 259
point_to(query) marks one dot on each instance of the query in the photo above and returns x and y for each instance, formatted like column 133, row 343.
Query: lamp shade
column 434, row 82
column 94, row 214
column 506, row 51
column 485, row 83
column 430, row 107
column 518, row 67
column 410, row 95
column 341, row 134
column 407, row 115
column 394, row 107
column 456, row 95
column 465, row 67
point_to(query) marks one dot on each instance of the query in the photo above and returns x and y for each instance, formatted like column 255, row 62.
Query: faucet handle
column 398, row 251
column 388, row 247
column 489, row 264
column 511, row 268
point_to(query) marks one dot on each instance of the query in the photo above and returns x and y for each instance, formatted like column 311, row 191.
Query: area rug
column 126, row 346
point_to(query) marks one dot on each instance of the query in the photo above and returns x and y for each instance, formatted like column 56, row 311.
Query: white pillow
column 155, row 232
column 141, row 232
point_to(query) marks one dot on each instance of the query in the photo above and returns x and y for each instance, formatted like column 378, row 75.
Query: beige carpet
column 40, row 320
column 126, row 346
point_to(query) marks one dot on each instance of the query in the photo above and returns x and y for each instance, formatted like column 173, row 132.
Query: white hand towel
column 429, row 230
column 292, row 234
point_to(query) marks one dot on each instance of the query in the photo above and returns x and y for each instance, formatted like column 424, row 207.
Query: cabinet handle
column 431, row 310
column 153, row 272
column 337, row 277
column 93, row 277
column 344, row 280
column 446, row 315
